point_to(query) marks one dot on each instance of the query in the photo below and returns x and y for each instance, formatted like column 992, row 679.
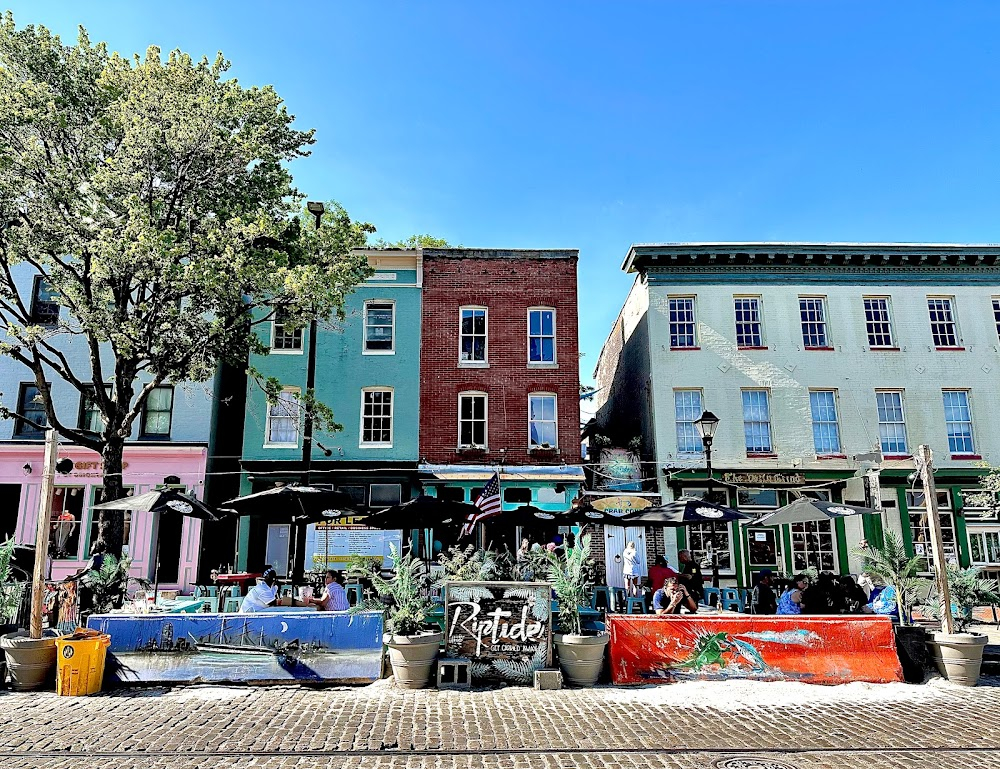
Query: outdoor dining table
column 226, row 583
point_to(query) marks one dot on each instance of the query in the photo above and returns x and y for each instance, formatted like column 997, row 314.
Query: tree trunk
column 111, row 525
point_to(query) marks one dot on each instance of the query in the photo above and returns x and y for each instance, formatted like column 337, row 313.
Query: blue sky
column 596, row 125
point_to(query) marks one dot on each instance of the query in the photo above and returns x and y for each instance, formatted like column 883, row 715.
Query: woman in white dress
column 630, row 569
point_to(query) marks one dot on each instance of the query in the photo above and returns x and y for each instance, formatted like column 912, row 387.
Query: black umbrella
column 162, row 502
column 586, row 514
column 683, row 512
column 424, row 512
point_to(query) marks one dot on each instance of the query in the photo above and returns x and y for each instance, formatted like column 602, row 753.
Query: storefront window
column 813, row 545
column 95, row 520
column 757, row 498
column 708, row 539
column 762, row 547
column 985, row 547
column 67, row 513
column 920, row 530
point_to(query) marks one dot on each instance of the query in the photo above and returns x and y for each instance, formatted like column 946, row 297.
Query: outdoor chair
column 745, row 597
column 232, row 605
column 635, row 602
column 617, row 599
column 601, row 598
column 709, row 593
column 355, row 594
column 730, row 600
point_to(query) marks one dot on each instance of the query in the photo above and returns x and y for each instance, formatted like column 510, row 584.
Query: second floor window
column 687, row 408
column 826, row 431
column 283, row 338
column 878, row 323
column 996, row 314
column 472, row 335
column 379, row 327
column 958, row 421
column 682, row 325
column 541, row 336
column 44, row 307
column 157, row 412
column 749, row 329
column 542, row 425
column 472, row 420
column 944, row 328
column 283, row 419
column 90, row 415
column 891, row 424
column 812, row 312
column 376, row 417
column 757, row 421
column 29, row 405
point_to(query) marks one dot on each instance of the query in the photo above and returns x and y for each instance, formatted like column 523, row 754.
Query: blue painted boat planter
column 267, row 647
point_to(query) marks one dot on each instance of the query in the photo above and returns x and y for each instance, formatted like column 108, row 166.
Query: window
column 749, row 329
column 472, row 336
column 757, row 422
column 706, row 540
column 156, row 413
column 826, row 432
column 95, row 520
column 758, row 498
column 90, row 414
column 29, row 405
column 380, row 325
column 385, row 494
column 984, row 547
column 517, row 495
column 996, row 315
column 682, row 332
column 541, row 336
column 812, row 312
column 944, row 328
column 356, row 493
column 891, row 425
column 472, row 420
column 920, row 530
column 813, row 546
column 283, row 419
column 376, row 417
column 542, row 430
column 44, row 308
column 687, row 408
column 284, row 339
column 451, row 493
column 66, row 521
column 958, row 421
column 878, row 322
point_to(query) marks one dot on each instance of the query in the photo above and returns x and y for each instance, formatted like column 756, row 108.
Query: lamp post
column 706, row 425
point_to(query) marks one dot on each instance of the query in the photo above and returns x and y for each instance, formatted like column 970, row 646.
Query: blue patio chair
column 601, row 598
column 355, row 594
column 731, row 600
column 745, row 597
column 635, row 602
column 232, row 604
column 709, row 593
column 617, row 599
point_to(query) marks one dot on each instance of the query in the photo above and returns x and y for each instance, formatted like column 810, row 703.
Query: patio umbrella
column 424, row 512
column 807, row 509
column 162, row 502
column 586, row 514
column 682, row 512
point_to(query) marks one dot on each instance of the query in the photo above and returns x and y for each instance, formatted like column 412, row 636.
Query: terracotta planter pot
column 581, row 657
column 958, row 656
column 412, row 657
column 31, row 662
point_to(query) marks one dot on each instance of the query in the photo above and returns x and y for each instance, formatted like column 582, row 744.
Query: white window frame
column 969, row 422
column 486, row 419
column 800, row 545
column 268, row 443
column 693, row 322
column 822, row 323
column 759, row 322
column 485, row 362
column 770, row 421
column 362, row 443
column 555, row 419
column 996, row 314
column 836, row 422
column 555, row 355
column 887, row 321
column 902, row 413
column 286, row 350
column 677, row 423
column 364, row 327
column 947, row 515
column 952, row 310
column 982, row 532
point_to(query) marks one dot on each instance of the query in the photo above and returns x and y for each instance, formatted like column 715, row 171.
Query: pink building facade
column 73, row 521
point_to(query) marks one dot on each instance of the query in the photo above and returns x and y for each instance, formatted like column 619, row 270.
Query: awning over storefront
column 523, row 473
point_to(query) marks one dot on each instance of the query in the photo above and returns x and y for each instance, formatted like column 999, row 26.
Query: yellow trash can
column 80, row 662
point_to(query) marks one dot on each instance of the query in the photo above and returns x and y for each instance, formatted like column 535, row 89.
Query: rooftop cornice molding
column 501, row 253
column 894, row 256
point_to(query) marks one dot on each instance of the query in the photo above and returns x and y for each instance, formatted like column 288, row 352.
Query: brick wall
column 507, row 283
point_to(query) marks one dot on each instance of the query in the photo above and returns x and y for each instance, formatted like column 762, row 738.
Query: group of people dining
column 264, row 595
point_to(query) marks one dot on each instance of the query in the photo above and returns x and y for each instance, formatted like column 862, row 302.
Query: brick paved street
column 687, row 726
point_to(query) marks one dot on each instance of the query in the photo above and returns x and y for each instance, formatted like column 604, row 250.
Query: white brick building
column 810, row 354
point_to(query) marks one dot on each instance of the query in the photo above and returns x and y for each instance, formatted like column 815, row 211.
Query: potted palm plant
column 30, row 661
column 405, row 600
column 10, row 599
column 959, row 656
column 581, row 655
column 889, row 565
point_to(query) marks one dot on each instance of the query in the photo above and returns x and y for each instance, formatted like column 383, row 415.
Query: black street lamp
column 706, row 425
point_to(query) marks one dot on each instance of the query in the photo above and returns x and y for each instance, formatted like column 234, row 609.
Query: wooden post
column 925, row 458
column 42, row 532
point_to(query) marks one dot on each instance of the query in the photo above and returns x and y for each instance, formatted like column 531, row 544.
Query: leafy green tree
column 414, row 241
column 153, row 196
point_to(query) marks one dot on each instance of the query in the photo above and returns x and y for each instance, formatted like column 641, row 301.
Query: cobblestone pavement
column 719, row 725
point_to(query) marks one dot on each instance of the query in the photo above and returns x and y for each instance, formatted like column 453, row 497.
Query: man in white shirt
column 334, row 597
column 262, row 595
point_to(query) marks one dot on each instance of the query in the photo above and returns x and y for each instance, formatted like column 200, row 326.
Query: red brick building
column 499, row 374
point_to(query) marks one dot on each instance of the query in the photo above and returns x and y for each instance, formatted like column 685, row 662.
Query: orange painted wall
column 819, row 650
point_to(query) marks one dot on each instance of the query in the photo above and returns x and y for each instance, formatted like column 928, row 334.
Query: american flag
column 488, row 504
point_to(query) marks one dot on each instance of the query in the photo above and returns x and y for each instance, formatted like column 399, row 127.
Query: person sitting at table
column 790, row 601
column 659, row 572
column 334, row 597
column 853, row 598
column 673, row 597
column 263, row 594
column 763, row 599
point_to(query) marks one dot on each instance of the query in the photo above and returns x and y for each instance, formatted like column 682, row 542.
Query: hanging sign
column 503, row 628
column 621, row 505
